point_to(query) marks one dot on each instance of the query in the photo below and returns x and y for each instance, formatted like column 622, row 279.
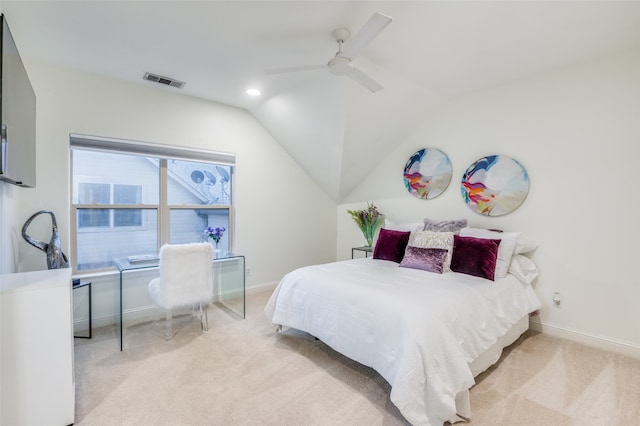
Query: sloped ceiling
column 337, row 131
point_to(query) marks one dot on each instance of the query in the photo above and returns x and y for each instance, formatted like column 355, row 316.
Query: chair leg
column 204, row 320
column 169, row 326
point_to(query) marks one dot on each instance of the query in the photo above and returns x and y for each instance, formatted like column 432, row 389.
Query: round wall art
column 427, row 173
column 495, row 185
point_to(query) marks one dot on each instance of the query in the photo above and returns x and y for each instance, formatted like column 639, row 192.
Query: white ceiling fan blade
column 371, row 29
column 365, row 80
column 283, row 70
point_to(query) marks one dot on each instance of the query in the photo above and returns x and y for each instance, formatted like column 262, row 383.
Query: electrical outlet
column 556, row 299
column 248, row 271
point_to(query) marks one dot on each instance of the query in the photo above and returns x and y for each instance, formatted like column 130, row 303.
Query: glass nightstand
column 366, row 249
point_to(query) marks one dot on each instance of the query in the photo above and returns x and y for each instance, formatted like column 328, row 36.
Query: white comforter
column 419, row 330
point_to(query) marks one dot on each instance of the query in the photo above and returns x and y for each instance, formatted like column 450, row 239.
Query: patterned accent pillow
column 429, row 239
column 426, row 259
column 444, row 225
column 475, row 256
column 391, row 245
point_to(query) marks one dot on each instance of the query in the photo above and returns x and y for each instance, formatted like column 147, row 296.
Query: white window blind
column 150, row 149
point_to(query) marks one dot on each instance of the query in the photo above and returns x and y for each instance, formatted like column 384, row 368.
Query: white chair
column 186, row 279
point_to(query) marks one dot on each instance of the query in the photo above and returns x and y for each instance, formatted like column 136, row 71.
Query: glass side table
column 368, row 250
column 228, row 285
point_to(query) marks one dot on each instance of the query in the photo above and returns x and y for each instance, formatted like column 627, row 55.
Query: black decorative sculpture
column 56, row 259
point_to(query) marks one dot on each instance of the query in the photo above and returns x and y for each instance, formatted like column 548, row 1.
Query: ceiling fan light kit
column 341, row 64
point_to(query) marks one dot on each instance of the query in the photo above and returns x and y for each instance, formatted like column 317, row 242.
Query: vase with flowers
column 368, row 220
column 215, row 234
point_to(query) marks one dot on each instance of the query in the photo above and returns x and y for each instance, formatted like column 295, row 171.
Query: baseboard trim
column 140, row 314
column 262, row 287
column 149, row 312
column 589, row 339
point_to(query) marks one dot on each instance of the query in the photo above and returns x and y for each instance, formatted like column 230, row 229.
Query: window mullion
column 163, row 211
column 117, row 206
column 111, row 211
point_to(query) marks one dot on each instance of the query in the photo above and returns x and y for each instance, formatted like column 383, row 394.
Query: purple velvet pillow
column 391, row 245
column 427, row 259
column 475, row 256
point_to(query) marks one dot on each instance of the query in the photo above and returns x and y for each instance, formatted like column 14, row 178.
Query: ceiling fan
column 341, row 63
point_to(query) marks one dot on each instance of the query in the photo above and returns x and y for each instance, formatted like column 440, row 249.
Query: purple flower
column 214, row 233
column 368, row 220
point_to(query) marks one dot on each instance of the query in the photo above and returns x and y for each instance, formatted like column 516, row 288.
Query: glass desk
column 228, row 282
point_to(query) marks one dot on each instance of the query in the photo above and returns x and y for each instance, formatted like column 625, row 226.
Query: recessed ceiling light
column 253, row 92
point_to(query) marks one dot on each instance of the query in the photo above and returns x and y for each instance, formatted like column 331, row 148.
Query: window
column 127, row 194
column 93, row 193
column 129, row 198
column 102, row 193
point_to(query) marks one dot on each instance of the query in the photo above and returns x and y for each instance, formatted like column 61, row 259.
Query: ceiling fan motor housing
column 340, row 65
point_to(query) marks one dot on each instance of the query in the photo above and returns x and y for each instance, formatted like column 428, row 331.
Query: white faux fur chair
column 186, row 279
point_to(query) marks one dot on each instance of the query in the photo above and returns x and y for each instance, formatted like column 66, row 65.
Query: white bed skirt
column 483, row 362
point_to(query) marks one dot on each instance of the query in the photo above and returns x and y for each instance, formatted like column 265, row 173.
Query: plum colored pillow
column 475, row 256
column 439, row 240
column 508, row 241
column 390, row 245
column 427, row 259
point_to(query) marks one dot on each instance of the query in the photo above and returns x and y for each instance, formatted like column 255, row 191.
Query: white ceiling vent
column 163, row 80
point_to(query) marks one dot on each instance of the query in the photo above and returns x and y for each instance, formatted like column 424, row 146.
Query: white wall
column 577, row 132
column 9, row 231
column 283, row 219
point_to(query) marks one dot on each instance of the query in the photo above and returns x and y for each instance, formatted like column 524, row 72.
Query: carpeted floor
column 242, row 373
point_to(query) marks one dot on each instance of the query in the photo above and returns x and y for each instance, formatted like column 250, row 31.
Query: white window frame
column 162, row 152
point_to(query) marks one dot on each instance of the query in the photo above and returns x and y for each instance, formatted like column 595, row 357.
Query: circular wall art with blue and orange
column 494, row 185
column 427, row 173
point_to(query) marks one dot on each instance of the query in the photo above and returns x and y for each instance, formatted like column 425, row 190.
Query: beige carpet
column 242, row 373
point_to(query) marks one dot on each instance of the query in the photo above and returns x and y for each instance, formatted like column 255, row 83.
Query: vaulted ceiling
column 337, row 130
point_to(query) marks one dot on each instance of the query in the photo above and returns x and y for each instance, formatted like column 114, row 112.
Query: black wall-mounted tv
column 17, row 115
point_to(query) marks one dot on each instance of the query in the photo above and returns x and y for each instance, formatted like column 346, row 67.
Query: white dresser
column 37, row 385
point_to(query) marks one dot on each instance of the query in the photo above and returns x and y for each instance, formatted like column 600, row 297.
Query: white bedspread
column 419, row 330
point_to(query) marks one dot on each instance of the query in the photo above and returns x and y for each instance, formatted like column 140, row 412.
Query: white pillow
column 388, row 224
column 523, row 268
column 430, row 239
column 524, row 246
column 507, row 246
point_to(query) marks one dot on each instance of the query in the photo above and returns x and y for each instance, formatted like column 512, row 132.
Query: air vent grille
column 164, row 80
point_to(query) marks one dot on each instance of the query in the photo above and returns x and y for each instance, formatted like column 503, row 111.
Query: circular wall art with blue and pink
column 427, row 173
column 495, row 185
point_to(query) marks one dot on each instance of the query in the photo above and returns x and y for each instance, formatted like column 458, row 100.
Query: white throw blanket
column 419, row 330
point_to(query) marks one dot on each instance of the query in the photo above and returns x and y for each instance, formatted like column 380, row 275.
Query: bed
column 428, row 334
